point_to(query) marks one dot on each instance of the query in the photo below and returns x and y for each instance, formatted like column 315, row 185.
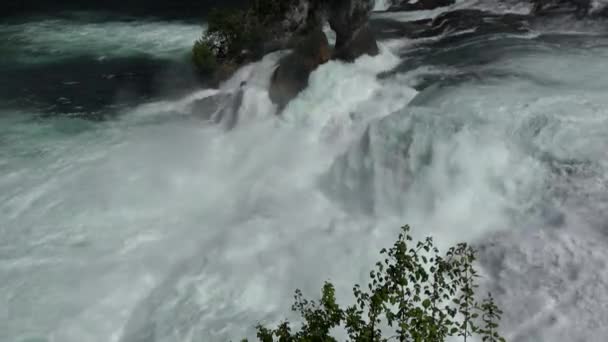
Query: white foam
column 64, row 38
column 187, row 231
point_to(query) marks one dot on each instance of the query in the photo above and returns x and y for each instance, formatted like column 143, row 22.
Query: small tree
column 415, row 294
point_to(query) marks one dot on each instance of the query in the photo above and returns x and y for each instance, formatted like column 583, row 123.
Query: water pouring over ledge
column 176, row 227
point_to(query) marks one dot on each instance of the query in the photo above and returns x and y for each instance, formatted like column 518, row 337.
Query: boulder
column 361, row 42
column 292, row 73
column 348, row 19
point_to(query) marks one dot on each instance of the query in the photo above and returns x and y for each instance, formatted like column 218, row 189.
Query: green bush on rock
column 235, row 36
column 203, row 56
column 221, row 41
column 415, row 294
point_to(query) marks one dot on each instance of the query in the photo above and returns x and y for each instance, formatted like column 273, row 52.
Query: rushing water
column 155, row 224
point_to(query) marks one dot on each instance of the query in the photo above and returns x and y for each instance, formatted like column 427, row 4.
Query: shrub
column 234, row 36
column 203, row 56
column 415, row 294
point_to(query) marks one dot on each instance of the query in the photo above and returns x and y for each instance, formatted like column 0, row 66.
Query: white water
column 381, row 5
column 163, row 225
column 49, row 39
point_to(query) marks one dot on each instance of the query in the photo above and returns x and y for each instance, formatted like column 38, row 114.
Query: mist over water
column 160, row 225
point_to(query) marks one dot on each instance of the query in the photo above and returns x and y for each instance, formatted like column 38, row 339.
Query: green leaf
column 393, row 299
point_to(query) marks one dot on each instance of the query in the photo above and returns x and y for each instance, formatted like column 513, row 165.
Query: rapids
column 154, row 224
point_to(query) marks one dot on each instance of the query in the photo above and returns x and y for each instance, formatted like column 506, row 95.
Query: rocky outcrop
column 236, row 38
column 410, row 5
column 299, row 16
column 362, row 42
column 291, row 75
column 348, row 19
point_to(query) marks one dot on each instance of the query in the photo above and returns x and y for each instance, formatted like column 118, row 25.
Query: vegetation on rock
column 227, row 39
column 234, row 36
column 415, row 294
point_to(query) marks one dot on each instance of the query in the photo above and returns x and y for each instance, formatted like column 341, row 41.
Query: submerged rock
column 479, row 21
column 221, row 109
column 409, row 5
column 546, row 7
column 469, row 18
column 208, row 107
column 291, row 75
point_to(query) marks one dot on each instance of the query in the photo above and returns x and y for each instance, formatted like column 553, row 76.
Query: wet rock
column 221, row 109
column 391, row 29
column 348, row 19
column 207, row 107
column 291, row 75
column 409, row 5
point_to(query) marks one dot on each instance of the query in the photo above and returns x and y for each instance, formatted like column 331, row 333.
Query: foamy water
column 49, row 39
column 159, row 226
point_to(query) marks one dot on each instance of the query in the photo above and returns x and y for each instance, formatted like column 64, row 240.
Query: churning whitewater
column 193, row 218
